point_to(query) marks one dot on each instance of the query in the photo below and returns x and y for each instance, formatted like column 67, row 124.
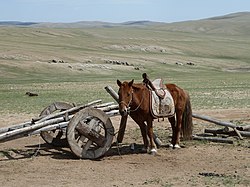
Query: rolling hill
column 74, row 61
column 235, row 23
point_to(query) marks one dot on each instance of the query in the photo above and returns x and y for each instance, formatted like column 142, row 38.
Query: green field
column 219, row 77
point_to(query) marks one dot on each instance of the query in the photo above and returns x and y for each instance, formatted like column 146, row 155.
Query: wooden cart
column 86, row 129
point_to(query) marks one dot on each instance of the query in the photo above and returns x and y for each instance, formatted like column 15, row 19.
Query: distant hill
column 236, row 23
column 16, row 23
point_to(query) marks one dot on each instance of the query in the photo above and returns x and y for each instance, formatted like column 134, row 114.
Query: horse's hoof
column 153, row 152
column 174, row 146
column 177, row 146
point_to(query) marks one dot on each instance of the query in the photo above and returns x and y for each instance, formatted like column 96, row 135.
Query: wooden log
column 243, row 128
column 218, row 122
column 226, row 131
column 50, row 128
column 71, row 110
column 122, row 127
column 27, row 130
column 213, row 139
column 245, row 133
column 108, row 108
column 103, row 105
column 238, row 133
column 113, row 113
column 110, row 90
column 13, row 127
column 217, row 131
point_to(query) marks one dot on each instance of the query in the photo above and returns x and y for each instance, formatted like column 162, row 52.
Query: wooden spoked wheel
column 90, row 133
column 55, row 137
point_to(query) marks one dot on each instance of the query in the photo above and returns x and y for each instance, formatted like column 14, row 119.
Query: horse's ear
column 118, row 83
column 131, row 83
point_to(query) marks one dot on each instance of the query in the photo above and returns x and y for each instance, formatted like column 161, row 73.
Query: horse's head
column 125, row 96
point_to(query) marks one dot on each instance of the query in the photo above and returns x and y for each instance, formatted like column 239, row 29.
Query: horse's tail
column 187, row 121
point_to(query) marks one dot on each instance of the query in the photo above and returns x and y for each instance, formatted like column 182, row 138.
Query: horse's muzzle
column 123, row 111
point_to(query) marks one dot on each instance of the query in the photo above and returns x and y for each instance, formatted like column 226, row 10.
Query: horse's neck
column 140, row 95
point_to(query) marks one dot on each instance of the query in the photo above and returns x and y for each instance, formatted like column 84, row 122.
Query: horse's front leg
column 152, row 146
column 143, row 129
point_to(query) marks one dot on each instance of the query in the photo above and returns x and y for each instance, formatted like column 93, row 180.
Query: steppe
column 73, row 63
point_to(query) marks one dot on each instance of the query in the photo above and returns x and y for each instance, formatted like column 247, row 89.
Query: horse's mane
column 138, row 86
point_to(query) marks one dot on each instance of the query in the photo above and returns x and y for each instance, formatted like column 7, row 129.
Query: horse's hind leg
column 172, row 122
column 176, row 128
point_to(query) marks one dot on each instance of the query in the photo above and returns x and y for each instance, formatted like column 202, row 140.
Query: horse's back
column 172, row 88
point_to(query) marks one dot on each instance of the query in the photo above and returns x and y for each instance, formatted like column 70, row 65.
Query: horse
column 134, row 99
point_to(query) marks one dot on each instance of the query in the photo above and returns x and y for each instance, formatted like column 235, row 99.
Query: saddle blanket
column 162, row 107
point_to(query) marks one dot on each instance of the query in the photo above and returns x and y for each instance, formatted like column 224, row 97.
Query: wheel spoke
column 86, row 147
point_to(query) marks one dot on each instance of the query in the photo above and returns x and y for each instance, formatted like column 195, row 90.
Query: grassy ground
column 219, row 78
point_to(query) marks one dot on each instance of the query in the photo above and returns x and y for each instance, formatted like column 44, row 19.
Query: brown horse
column 134, row 100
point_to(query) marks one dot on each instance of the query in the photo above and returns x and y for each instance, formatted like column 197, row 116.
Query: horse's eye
column 128, row 94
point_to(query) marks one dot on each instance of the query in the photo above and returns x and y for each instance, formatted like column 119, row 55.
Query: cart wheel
column 55, row 137
column 90, row 133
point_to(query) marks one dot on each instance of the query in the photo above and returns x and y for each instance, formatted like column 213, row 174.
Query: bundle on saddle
column 162, row 103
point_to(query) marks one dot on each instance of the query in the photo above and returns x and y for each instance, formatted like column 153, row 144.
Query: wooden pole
column 218, row 122
column 227, row 132
column 36, row 126
column 213, row 139
column 13, row 127
column 110, row 90
column 71, row 110
column 244, row 128
column 123, row 124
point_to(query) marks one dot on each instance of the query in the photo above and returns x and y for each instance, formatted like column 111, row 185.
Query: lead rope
column 118, row 145
column 38, row 149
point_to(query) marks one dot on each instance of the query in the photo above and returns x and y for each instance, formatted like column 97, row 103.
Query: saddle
column 161, row 101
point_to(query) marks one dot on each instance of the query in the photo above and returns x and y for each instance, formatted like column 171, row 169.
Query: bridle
column 129, row 103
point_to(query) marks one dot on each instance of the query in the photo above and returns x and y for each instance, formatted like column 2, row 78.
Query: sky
column 117, row 11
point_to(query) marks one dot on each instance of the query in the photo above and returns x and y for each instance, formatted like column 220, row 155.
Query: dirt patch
column 31, row 162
